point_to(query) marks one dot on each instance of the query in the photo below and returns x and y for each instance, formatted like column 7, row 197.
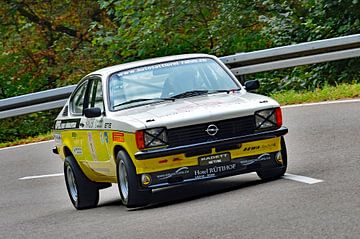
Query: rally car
column 165, row 121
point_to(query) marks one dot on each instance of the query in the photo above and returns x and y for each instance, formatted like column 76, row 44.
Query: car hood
column 196, row 110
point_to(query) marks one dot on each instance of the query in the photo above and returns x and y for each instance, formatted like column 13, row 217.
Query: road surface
column 323, row 145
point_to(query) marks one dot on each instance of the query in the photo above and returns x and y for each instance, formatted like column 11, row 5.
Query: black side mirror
column 92, row 112
column 252, row 85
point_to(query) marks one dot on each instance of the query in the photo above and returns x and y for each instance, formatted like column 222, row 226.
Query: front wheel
column 275, row 173
column 83, row 193
column 129, row 187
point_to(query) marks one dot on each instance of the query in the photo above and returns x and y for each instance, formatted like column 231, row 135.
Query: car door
column 77, row 135
column 96, row 135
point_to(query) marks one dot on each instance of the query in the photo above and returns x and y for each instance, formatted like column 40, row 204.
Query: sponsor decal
column 213, row 171
column 263, row 157
column 57, row 124
column 77, row 150
column 99, row 123
column 92, row 146
column 215, row 158
column 67, row 124
column 269, row 146
column 104, row 137
column 89, row 123
column 118, row 137
column 107, row 125
column 178, row 172
column 57, row 138
column 251, row 148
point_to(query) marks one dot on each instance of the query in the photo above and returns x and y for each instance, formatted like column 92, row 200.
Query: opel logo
column 212, row 130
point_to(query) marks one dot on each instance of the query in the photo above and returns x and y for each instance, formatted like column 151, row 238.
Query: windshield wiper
column 141, row 100
column 189, row 94
column 223, row 91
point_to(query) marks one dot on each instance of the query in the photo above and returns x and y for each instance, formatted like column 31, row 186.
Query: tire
column 83, row 193
column 272, row 174
column 129, row 185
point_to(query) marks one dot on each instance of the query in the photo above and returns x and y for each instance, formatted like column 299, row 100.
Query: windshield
column 167, row 81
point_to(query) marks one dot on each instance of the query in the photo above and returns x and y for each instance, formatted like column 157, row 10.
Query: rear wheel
column 275, row 173
column 129, row 186
column 83, row 193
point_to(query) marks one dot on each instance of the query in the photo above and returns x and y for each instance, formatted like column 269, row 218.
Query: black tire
column 272, row 174
column 129, row 185
column 83, row 193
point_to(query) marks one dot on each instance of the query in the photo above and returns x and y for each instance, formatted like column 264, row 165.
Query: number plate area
column 214, row 159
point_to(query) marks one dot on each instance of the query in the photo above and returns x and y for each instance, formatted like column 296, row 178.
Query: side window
column 96, row 94
column 77, row 101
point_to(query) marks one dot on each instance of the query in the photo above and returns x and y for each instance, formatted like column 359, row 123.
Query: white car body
column 97, row 142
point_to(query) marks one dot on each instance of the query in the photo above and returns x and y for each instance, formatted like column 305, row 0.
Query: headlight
column 267, row 119
column 151, row 138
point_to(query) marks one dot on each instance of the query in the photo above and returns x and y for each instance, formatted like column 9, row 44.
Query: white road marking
column 42, row 176
column 302, row 179
column 22, row 145
column 322, row 103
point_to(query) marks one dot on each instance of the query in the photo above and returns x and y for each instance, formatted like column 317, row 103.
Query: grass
column 342, row 91
column 28, row 140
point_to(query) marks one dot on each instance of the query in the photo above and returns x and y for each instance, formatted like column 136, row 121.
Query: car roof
column 125, row 66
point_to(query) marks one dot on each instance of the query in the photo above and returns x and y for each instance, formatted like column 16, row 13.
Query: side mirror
column 92, row 112
column 252, row 85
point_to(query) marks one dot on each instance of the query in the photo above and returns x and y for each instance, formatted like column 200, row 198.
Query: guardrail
column 35, row 102
column 294, row 55
column 240, row 64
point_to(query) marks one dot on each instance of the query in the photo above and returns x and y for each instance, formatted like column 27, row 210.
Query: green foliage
column 47, row 44
column 289, row 22
column 12, row 129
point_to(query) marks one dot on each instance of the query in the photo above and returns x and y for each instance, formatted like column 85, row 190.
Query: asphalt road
column 323, row 143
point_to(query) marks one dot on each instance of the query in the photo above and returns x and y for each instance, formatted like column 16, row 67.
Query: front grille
column 197, row 133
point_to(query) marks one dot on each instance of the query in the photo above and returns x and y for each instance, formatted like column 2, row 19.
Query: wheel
column 129, row 186
column 83, row 193
column 272, row 174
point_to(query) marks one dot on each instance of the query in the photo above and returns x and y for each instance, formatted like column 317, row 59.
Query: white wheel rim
column 71, row 183
column 124, row 185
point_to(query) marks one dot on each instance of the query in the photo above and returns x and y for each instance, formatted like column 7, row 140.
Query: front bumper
column 199, row 173
column 156, row 153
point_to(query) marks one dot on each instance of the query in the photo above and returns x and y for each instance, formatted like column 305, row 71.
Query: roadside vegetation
column 48, row 44
column 327, row 93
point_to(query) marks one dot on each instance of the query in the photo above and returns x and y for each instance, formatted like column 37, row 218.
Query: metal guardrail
column 35, row 102
column 294, row 55
column 240, row 64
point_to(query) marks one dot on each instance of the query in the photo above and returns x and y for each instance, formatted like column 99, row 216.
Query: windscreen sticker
column 162, row 65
